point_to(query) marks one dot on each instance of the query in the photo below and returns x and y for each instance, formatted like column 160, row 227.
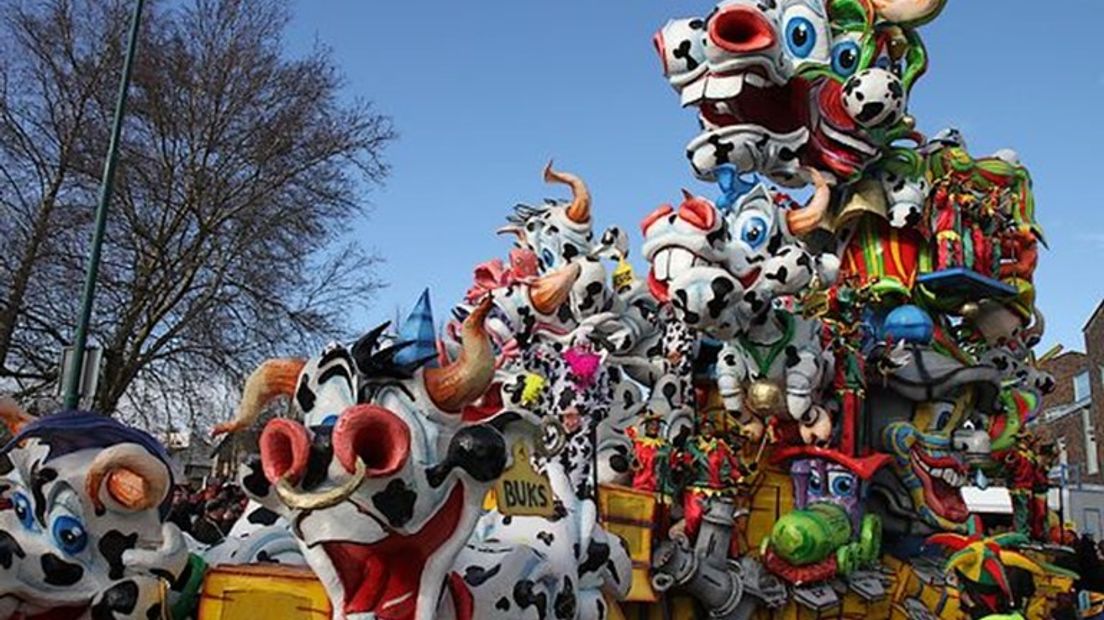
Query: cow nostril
column 741, row 30
column 285, row 450
column 373, row 435
column 699, row 213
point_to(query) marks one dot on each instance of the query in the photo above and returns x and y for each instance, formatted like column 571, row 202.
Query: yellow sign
column 521, row 491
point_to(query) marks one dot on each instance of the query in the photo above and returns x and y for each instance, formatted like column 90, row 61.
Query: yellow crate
column 631, row 514
column 263, row 591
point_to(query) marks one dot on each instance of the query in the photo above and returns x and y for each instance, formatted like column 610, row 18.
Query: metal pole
column 72, row 385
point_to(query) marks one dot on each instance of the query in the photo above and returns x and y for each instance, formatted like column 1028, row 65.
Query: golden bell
column 765, row 398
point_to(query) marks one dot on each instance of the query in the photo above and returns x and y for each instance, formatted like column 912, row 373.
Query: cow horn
column 687, row 195
column 579, row 209
column 13, row 415
column 549, row 292
column 806, row 219
column 464, row 380
column 274, row 377
column 1034, row 333
column 129, row 475
column 910, row 13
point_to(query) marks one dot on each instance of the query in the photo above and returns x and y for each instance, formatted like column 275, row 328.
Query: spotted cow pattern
column 107, row 555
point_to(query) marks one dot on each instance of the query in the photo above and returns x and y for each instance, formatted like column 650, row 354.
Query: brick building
column 1072, row 415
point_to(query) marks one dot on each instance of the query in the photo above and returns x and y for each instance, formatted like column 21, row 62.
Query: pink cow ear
column 127, row 478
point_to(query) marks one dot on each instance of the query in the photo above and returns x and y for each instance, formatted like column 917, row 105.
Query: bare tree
column 240, row 170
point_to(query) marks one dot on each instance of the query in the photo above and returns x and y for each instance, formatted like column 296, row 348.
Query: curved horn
column 132, row 478
column 461, row 382
column 909, row 12
column 1037, row 328
column 275, row 377
column 326, row 499
column 549, row 292
column 806, row 219
column 687, row 194
column 579, row 209
column 13, row 415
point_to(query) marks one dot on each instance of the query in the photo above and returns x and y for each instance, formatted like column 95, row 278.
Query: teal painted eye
column 841, row 484
column 23, row 510
column 547, row 258
column 801, row 37
column 845, row 58
column 754, row 232
column 69, row 535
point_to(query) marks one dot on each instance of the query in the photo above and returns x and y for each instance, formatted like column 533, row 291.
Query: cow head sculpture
column 779, row 85
column 85, row 534
column 383, row 494
column 721, row 270
column 560, row 233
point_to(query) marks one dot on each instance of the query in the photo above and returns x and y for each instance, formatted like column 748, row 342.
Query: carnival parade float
column 776, row 421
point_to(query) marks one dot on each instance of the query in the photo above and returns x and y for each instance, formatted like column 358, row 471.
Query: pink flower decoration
column 494, row 274
column 583, row 364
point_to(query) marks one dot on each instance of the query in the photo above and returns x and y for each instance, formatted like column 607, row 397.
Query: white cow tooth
column 662, row 265
column 724, row 86
column 681, row 261
column 754, row 79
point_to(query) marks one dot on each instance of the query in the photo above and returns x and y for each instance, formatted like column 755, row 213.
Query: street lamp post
column 73, row 378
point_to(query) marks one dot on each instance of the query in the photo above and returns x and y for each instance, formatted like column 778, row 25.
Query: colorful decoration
column 778, row 420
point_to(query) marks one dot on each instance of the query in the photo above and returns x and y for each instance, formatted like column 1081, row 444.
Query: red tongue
column 658, row 289
column 375, row 577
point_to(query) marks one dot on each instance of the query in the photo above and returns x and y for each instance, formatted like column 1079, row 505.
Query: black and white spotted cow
column 722, row 273
column 85, row 536
column 737, row 67
column 384, row 499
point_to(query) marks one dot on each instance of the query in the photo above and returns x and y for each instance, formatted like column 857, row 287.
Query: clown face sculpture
column 927, row 419
column 85, row 536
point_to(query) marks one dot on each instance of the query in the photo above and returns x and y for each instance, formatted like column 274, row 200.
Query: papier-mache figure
column 86, row 535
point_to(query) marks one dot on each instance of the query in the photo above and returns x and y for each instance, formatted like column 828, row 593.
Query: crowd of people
column 207, row 512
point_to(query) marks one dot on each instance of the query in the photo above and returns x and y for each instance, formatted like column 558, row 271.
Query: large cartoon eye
column 23, row 510
column 800, row 37
column 806, row 34
column 547, row 258
column 845, row 58
column 942, row 412
column 816, row 484
column 69, row 534
column 841, row 484
column 754, row 232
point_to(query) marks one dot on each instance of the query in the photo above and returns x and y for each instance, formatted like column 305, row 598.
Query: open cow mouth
column 942, row 478
column 383, row 577
column 836, row 143
column 749, row 97
column 668, row 263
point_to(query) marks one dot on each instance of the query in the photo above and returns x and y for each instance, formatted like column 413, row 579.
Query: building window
column 1092, row 459
column 1081, row 386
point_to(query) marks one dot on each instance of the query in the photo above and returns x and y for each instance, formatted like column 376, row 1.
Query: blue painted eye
column 845, row 58
column 547, row 258
column 754, row 232
column 801, row 37
column 23, row 510
column 842, row 485
column 816, row 485
column 69, row 535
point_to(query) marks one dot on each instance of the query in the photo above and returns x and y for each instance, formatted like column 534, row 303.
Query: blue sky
column 484, row 93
